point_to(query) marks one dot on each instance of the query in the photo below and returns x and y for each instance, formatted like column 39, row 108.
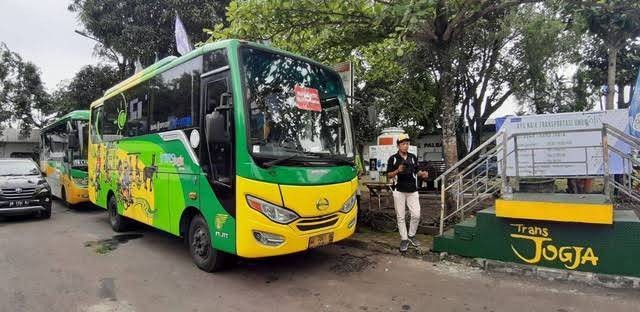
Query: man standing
column 403, row 166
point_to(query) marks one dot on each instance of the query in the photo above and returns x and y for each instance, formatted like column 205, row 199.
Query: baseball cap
column 403, row 138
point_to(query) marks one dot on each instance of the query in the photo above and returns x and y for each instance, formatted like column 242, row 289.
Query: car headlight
column 80, row 181
column 42, row 188
column 351, row 202
column 274, row 213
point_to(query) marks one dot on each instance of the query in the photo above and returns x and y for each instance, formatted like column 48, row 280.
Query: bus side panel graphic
column 154, row 180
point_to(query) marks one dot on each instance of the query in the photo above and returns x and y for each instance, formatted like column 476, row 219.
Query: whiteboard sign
column 382, row 153
column 543, row 152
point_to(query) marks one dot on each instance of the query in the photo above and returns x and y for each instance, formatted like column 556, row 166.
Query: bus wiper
column 329, row 157
column 274, row 162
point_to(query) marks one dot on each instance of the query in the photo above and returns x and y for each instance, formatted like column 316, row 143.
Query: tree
column 132, row 30
column 334, row 31
column 23, row 99
column 615, row 23
column 87, row 85
column 594, row 69
column 440, row 26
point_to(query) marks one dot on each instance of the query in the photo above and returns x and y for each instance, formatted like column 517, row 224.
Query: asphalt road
column 73, row 263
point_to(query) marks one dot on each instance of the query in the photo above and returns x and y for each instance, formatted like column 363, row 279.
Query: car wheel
column 45, row 214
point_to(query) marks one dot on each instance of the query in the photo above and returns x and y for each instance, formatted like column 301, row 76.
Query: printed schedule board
column 543, row 152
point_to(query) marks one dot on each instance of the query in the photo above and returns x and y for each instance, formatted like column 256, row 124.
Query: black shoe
column 414, row 241
column 404, row 245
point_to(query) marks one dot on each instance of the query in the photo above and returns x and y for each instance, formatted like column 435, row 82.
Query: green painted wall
column 610, row 249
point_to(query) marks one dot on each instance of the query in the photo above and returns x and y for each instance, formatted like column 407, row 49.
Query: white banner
column 382, row 153
column 542, row 152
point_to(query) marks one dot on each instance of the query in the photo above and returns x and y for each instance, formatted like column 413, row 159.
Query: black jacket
column 406, row 181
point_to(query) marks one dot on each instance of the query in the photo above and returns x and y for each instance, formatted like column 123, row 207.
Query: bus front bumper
column 260, row 237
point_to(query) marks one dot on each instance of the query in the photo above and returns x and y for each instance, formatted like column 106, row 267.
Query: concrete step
column 466, row 230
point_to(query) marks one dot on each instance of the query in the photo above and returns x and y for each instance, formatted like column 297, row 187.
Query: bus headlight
column 80, row 181
column 351, row 202
column 274, row 213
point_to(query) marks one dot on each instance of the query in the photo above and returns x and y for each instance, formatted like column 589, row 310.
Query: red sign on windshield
column 307, row 98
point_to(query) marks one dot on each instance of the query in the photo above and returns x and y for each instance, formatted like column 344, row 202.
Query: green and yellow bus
column 63, row 156
column 238, row 148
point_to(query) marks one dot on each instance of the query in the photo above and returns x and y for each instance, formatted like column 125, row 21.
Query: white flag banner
column 182, row 40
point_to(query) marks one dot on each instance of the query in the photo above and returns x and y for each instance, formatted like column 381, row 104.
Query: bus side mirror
column 225, row 101
column 215, row 128
column 65, row 158
column 72, row 140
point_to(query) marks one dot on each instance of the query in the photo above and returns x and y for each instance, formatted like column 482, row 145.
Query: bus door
column 217, row 155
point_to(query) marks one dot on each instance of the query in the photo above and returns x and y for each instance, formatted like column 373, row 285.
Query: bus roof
column 173, row 61
column 74, row 115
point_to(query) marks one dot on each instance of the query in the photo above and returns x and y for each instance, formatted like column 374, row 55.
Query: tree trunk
column 611, row 77
column 621, row 102
column 448, row 118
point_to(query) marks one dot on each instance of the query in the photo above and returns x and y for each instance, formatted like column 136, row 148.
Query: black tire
column 45, row 214
column 118, row 222
column 63, row 195
column 202, row 252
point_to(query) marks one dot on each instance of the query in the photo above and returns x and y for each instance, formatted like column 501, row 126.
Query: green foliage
column 23, row 99
column 131, row 30
column 86, row 86
column 334, row 31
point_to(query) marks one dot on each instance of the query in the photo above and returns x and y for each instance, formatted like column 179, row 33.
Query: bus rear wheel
column 118, row 222
column 202, row 252
column 63, row 194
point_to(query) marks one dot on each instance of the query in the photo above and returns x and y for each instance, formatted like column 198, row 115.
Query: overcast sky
column 41, row 31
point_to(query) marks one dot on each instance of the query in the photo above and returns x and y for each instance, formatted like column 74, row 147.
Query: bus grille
column 309, row 224
column 12, row 193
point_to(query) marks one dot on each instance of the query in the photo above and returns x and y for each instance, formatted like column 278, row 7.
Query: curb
column 589, row 278
column 488, row 265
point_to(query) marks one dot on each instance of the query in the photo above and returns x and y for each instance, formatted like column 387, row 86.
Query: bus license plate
column 320, row 240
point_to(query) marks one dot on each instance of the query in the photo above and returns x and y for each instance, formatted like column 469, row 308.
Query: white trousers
column 401, row 201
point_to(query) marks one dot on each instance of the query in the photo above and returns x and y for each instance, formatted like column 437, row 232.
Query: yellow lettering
column 570, row 256
column 518, row 227
column 553, row 250
column 537, row 242
column 589, row 256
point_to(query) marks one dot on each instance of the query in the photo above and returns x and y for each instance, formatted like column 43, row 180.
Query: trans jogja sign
column 542, row 152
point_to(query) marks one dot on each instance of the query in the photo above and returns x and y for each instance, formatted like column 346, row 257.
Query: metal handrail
column 622, row 135
column 473, row 153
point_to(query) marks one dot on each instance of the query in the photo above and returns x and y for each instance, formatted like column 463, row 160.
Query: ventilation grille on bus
column 309, row 224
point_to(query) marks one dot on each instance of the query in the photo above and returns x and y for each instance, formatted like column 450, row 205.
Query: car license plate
column 320, row 240
column 19, row 203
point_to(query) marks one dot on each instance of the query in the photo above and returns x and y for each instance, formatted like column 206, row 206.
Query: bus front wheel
column 118, row 222
column 202, row 252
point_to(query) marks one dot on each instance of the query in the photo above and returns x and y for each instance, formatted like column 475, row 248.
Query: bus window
column 96, row 124
column 171, row 100
column 111, row 125
column 137, row 111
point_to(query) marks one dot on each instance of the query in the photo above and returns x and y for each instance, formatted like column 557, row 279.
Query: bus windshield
column 80, row 154
column 295, row 108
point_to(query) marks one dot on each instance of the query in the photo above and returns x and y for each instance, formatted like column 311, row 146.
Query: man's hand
column 401, row 168
column 423, row 174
